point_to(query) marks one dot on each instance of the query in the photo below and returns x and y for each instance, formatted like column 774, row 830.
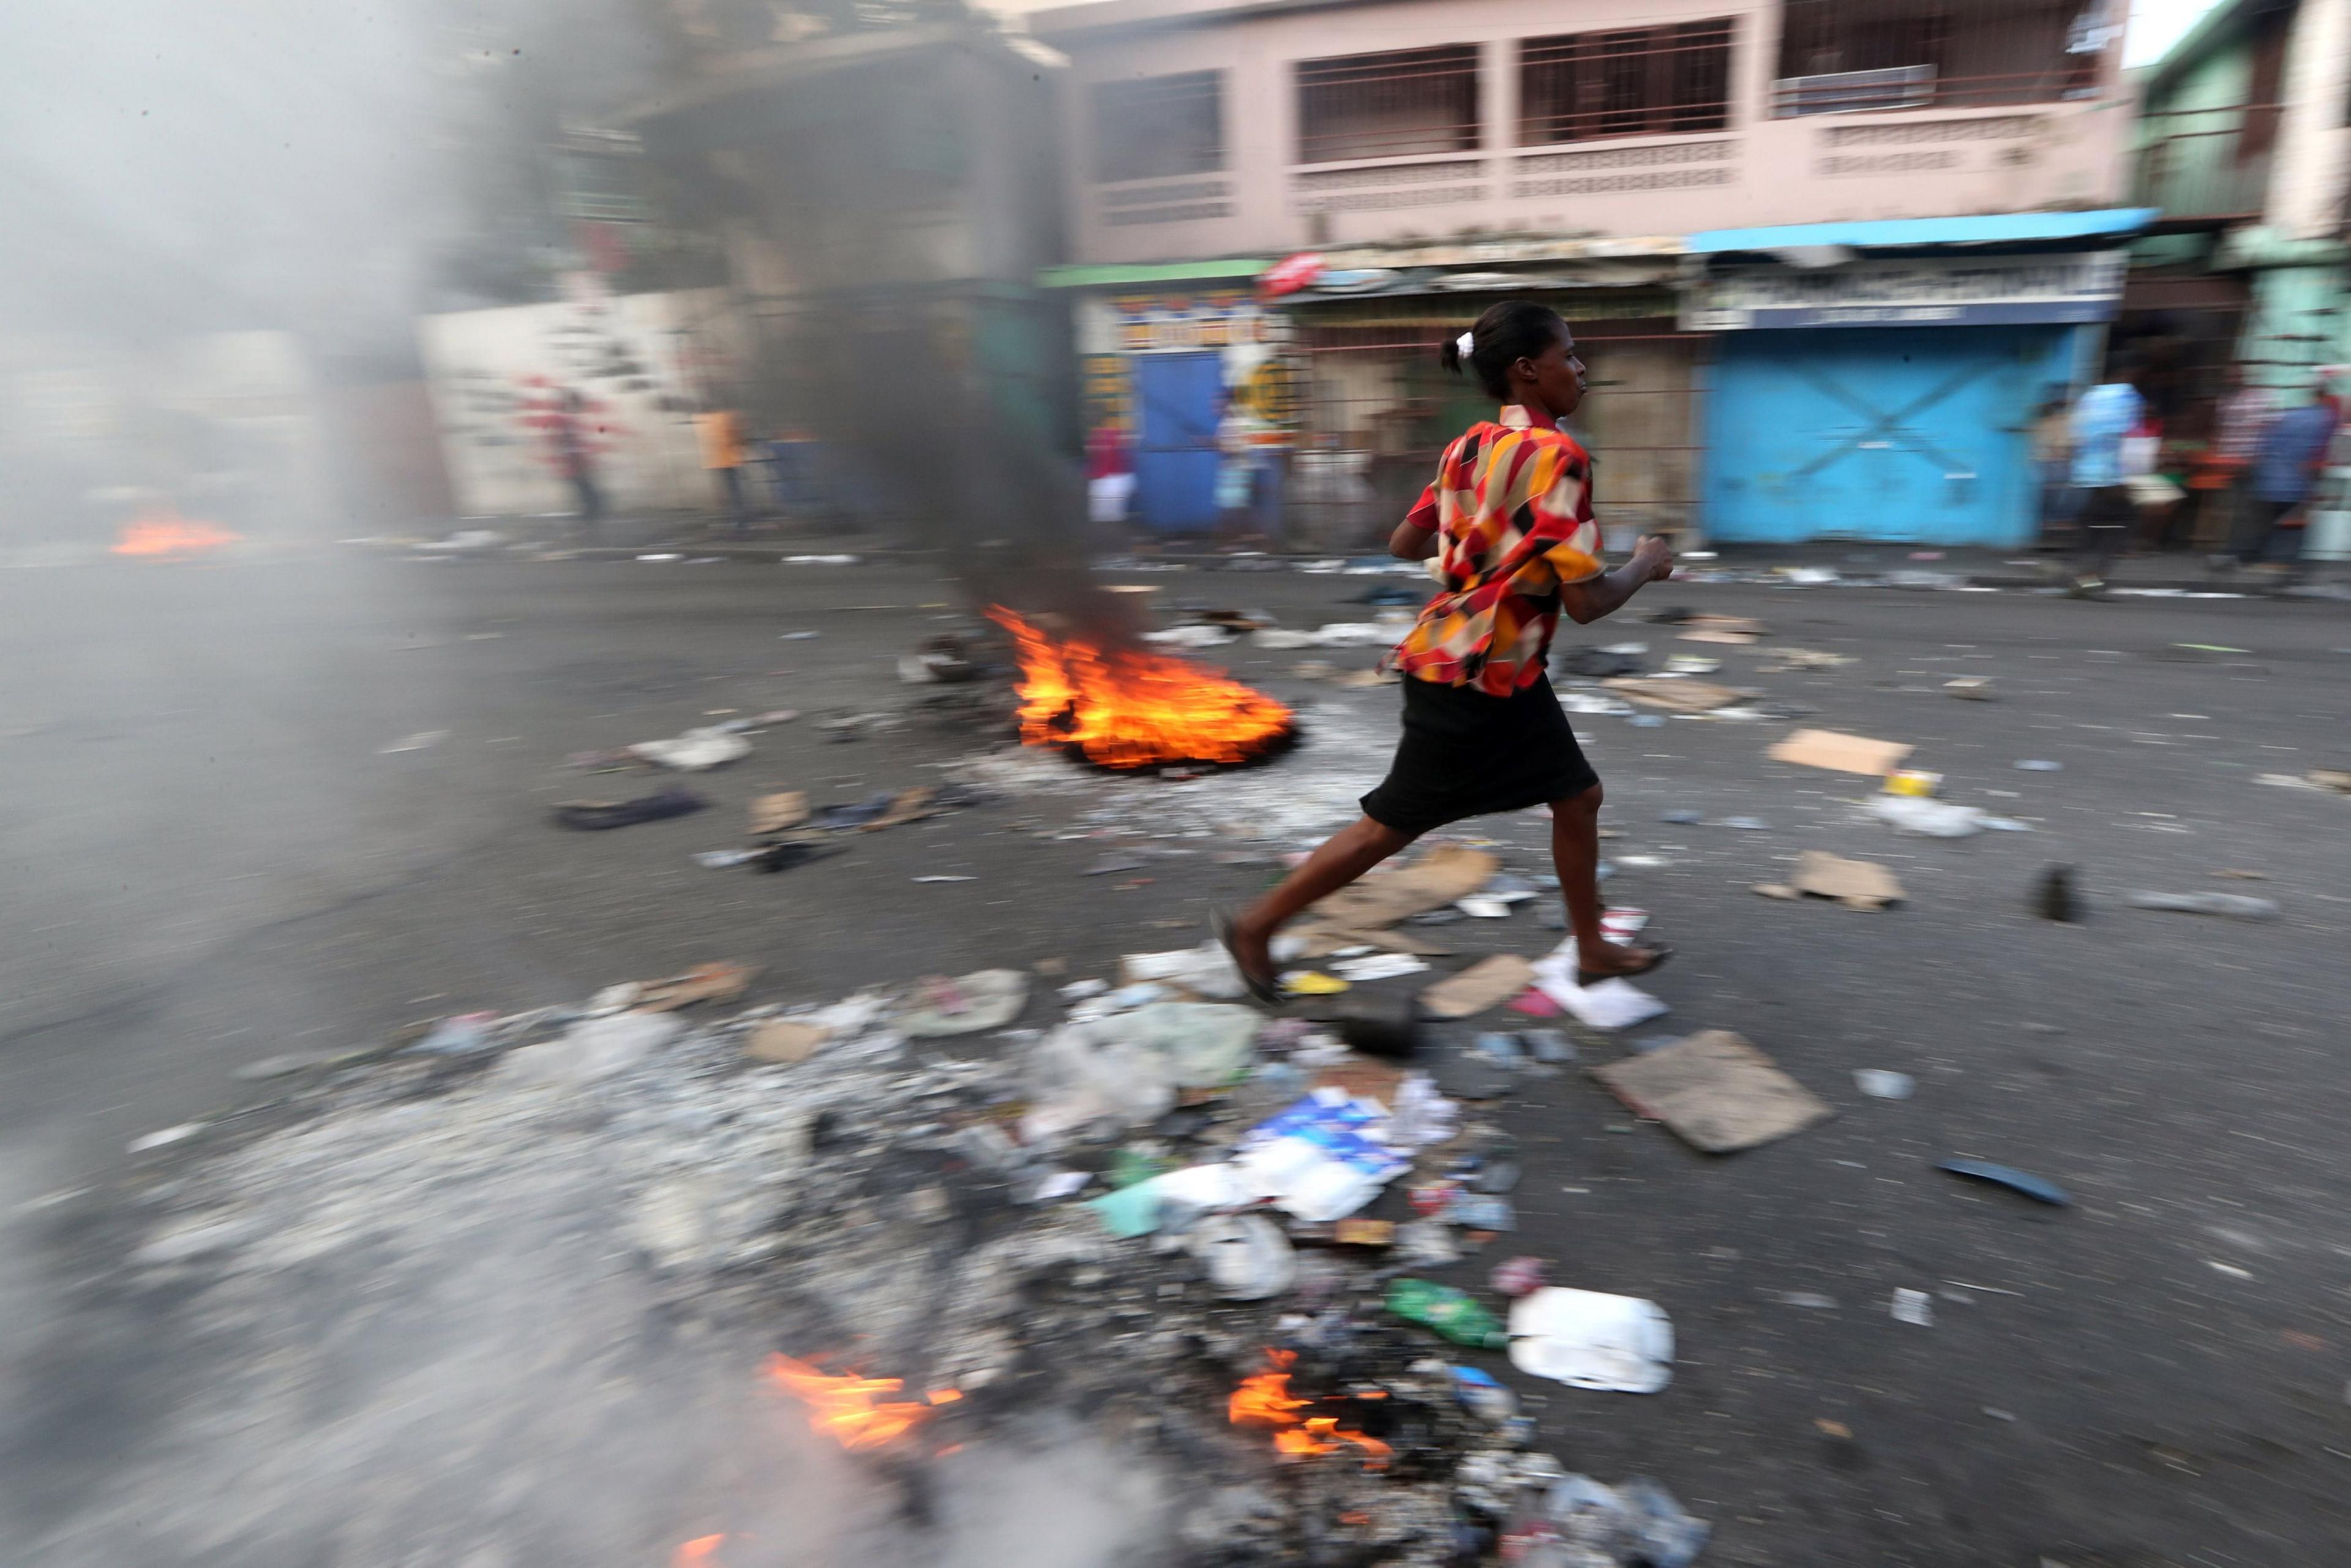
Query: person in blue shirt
column 2285, row 472
column 2102, row 417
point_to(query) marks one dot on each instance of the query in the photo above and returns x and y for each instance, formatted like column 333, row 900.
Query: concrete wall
column 2308, row 188
column 642, row 363
column 1759, row 171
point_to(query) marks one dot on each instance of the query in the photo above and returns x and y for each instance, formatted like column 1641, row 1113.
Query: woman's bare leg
column 1576, row 851
column 1343, row 857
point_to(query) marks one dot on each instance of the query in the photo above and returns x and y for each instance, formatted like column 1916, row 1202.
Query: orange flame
column 1126, row 708
column 165, row 533
column 1265, row 1400
column 696, row 1552
column 844, row 1408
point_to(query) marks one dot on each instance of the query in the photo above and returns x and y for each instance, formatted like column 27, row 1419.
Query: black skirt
column 1466, row 754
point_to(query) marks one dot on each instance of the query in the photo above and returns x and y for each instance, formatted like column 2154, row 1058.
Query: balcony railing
column 2205, row 165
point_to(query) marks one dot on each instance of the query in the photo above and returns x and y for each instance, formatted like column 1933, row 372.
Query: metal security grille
column 1638, row 81
column 1839, row 56
column 1398, row 104
column 1375, row 411
column 1159, row 127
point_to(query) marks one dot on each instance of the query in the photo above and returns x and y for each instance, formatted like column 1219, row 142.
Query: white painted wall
column 642, row 361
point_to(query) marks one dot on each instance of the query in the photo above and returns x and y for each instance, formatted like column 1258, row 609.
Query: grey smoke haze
column 277, row 163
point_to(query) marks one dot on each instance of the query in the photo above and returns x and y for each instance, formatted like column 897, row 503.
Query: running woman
column 1509, row 519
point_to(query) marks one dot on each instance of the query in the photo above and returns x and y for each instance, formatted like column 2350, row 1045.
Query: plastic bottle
column 1450, row 1311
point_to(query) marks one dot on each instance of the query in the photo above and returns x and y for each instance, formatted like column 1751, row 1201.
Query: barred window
column 1633, row 81
column 1398, row 104
column 1158, row 127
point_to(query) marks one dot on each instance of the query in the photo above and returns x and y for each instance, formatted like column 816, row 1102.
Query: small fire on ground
column 1265, row 1400
column 1126, row 709
column 848, row 1409
column 164, row 534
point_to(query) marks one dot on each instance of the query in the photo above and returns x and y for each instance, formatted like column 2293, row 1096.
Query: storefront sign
column 1167, row 323
column 1987, row 291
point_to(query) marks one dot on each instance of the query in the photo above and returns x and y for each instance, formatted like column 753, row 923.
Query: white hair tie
column 1467, row 344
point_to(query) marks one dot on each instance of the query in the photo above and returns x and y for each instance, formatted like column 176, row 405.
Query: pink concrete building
column 1636, row 164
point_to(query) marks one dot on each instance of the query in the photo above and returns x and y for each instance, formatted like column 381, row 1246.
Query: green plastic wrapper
column 1451, row 1312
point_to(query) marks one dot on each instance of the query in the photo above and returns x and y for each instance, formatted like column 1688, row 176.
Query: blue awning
column 1891, row 234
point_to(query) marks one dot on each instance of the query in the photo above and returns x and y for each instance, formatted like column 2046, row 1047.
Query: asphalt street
column 256, row 809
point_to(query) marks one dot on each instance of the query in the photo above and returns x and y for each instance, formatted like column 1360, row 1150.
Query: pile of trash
column 1146, row 1215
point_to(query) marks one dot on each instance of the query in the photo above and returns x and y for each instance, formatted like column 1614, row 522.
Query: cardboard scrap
column 1717, row 1093
column 1362, row 911
column 777, row 812
column 1857, row 885
column 906, row 806
column 1801, row 659
column 1483, row 985
column 1840, row 752
column 1710, row 635
column 1678, row 695
column 785, row 1039
column 718, row 982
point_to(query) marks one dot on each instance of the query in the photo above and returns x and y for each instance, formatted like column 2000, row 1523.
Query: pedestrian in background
column 575, row 456
column 2053, row 451
column 1110, row 474
column 722, row 454
column 2104, row 420
column 2245, row 411
column 2286, row 462
column 1509, row 522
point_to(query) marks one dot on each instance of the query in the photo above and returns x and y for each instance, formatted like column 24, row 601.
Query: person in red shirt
column 1509, row 522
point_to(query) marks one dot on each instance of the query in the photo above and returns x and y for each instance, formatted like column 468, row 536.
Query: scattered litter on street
column 1928, row 818
column 695, row 751
column 1879, row 1084
column 1840, row 752
column 1974, row 688
column 597, row 815
column 1610, row 1004
column 1914, row 1307
column 1621, row 925
column 1311, row 983
column 1486, row 984
column 1716, row 1091
column 1378, row 967
column 1857, row 885
column 2030, row 1185
column 785, row 1040
column 422, row 740
column 165, row 1137
column 778, row 811
column 2039, row 764
column 1675, row 693
column 1361, row 914
column 1590, row 1340
column 938, row 878
column 983, row 999
column 2053, row 897
column 2233, row 905
column 1787, row 659
column 1449, row 1310
column 717, row 982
